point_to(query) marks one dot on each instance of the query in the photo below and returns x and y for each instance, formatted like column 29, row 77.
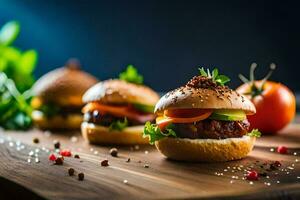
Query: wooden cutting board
column 26, row 171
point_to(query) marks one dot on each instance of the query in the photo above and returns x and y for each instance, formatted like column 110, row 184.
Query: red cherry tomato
column 275, row 106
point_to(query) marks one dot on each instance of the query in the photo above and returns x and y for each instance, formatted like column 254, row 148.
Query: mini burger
column 57, row 101
column 203, row 121
column 117, row 110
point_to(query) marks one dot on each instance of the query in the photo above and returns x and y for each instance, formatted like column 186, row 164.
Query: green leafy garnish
column 14, row 107
column 254, row 133
column 215, row 76
column 9, row 32
column 131, row 75
column 154, row 133
column 16, row 64
column 118, row 125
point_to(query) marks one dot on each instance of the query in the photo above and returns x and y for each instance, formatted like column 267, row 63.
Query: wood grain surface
column 148, row 175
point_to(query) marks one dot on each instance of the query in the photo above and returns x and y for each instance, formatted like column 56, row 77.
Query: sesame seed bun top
column 116, row 91
column 202, row 92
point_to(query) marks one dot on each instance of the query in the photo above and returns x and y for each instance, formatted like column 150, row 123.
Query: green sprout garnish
column 14, row 107
column 118, row 125
column 131, row 75
column 215, row 76
column 16, row 64
column 154, row 133
column 254, row 133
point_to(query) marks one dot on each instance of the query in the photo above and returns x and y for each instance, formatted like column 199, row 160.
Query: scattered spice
column 252, row 175
column 71, row 171
column 81, row 176
column 282, row 150
column 52, row 157
column 59, row 161
column 104, row 163
column 113, row 152
column 128, row 160
column 36, row 140
column 66, row 153
column 146, row 166
column 76, row 156
column 56, row 144
column 275, row 165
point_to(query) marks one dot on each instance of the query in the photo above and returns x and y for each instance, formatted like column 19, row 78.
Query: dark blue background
column 166, row 40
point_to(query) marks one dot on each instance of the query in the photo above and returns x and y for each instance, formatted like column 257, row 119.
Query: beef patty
column 212, row 129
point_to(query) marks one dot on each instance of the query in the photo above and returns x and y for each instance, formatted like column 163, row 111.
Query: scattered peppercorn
column 81, row 176
column 104, row 163
column 277, row 163
column 59, row 161
column 264, row 174
column 128, row 160
column 71, row 171
column 36, row 140
column 56, row 144
column 282, row 150
column 76, row 156
column 113, row 152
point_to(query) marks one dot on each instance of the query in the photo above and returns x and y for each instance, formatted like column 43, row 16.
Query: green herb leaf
column 215, row 73
column 9, row 32
column 254, row 133
column 14, row 107
column 202, row 72
column 222, row 79
column 219, row 79
column 17, row 65
column 27, row 61
column 154, row 133
column 118, row 125
column 131, row 75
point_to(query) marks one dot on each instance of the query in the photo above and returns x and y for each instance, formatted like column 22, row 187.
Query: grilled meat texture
column 212, row 129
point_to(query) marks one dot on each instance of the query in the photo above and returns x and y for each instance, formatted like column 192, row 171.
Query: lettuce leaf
column 118, row 125
column 254, row 133
column 131, row 75
column 154, row 133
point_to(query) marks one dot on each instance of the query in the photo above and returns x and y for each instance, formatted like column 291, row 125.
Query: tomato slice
column 186, row 112
column 163, row 121
column 119, row 111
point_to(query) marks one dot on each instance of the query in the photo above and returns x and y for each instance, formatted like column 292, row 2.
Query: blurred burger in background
column 117, row 109
column 57, row 101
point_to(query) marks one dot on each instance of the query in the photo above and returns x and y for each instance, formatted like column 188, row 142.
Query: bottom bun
column 57, row 122
column 205, row 150
column 102, row 135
